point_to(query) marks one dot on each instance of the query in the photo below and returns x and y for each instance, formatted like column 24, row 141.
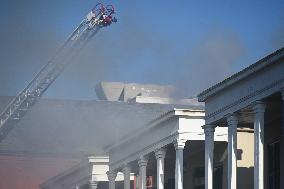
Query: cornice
column 259, row 65
column 277, row 84
column 142, row 152
column 173, row 114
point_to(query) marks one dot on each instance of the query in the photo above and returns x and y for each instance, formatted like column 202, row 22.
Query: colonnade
column 258, row 109
column 142, row 161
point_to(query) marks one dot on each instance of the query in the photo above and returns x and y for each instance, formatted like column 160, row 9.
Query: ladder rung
column 23, row 109
column 16, row 118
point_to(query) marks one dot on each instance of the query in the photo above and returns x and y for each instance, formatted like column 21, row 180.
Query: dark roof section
column 77, row 127
column 264, row 62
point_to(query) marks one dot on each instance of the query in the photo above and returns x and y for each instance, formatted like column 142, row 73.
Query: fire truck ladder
column 99, row 17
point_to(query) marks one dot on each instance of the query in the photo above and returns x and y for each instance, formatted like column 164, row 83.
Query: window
column 218, row 177
column 199, row 177
column 274, row 165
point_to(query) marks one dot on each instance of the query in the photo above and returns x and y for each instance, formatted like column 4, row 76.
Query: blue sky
column 189, row 44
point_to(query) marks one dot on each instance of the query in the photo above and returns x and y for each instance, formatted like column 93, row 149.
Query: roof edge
column 87, row 161
column 176, row 112
column 260, row 64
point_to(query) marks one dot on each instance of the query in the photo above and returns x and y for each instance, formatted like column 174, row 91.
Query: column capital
column 160, row 153
column 126, row 169
column 179, row 144
column 258, row 107
column 142, row 161
column 209, row 129
column 93, row 184
column 232, row 119
column 111, row 175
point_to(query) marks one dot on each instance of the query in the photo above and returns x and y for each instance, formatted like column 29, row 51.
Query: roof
column 77, row 127
column 259, row 65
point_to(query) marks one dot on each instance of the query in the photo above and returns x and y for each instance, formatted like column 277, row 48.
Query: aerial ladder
column 99, row 17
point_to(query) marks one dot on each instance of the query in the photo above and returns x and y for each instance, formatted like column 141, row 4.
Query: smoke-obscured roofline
column 259, row 65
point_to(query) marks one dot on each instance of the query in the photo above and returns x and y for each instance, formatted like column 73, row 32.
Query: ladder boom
column 99, row 17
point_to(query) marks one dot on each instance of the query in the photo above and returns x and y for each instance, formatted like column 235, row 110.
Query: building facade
column 170, row 152
column 236, row 142
column 251, row 98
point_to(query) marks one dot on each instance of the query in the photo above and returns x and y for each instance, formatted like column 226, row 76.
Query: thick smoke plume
column 214, row 57
column 128, row 51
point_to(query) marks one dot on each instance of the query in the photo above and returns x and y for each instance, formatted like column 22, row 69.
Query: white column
column 93, row 184
column 179, row 146
column 126, row 171
column 259, row 109
column 232, row 151
column 160, row 157
column 142, row 162
column 209, row 155
column 111, row 178
column 282, row 144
